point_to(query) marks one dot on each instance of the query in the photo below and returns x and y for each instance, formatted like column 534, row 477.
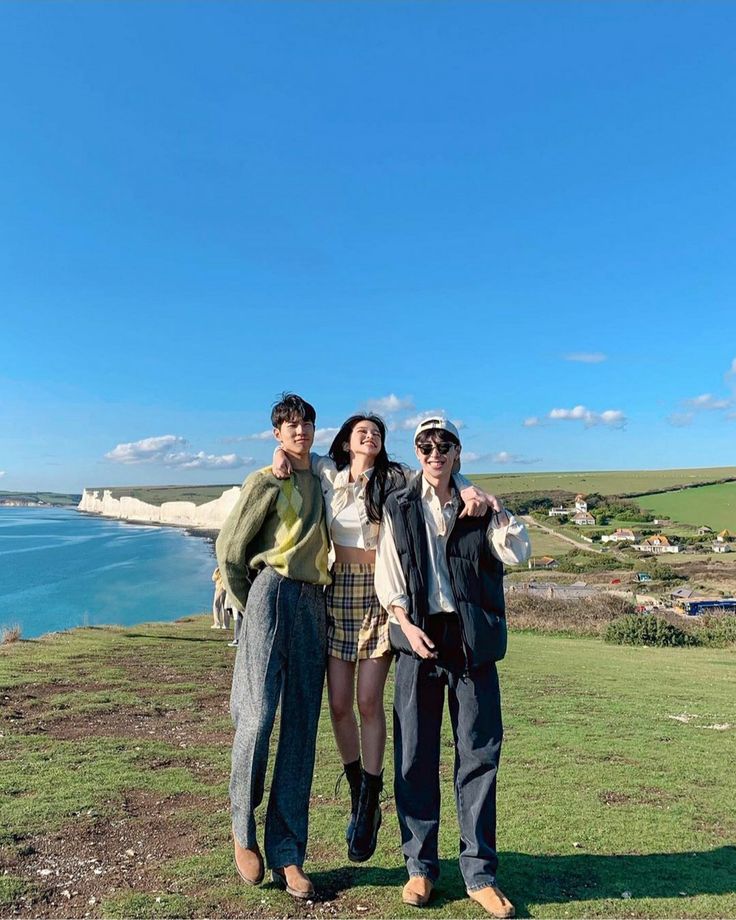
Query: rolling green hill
column 712, row 505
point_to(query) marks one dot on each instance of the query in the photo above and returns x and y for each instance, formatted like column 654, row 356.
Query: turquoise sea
column 60, row 568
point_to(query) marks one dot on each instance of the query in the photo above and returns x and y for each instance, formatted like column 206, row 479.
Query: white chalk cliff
column 209, row 516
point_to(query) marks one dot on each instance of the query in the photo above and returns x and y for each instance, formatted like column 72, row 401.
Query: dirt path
column 530, row 521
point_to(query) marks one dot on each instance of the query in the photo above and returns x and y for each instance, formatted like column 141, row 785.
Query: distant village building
column 662, row 522
column 620, row 534
column 702, row 531
column 724, row 536
column 657, row 545
column 543, row 562
column 721, row 548
column 580, row 503
column 583, row 518
column 558, row 511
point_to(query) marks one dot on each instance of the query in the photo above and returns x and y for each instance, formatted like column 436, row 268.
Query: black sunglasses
column 443, row 447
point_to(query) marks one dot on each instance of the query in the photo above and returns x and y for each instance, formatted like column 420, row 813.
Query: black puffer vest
column 475, row 574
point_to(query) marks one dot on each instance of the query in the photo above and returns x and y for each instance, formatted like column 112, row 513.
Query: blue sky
column 521, row 213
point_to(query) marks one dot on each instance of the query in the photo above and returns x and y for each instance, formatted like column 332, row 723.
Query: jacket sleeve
column 389, row 577
column 509, row 542
column 241, row 526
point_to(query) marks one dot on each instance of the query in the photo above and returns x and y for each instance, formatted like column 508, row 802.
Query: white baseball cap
column 436, row 421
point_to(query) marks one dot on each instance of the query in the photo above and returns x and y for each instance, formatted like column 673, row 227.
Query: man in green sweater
column 272, row 553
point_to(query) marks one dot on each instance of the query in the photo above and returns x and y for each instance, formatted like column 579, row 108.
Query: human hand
column 475, row 501
column 281, row 467
column 419, row 641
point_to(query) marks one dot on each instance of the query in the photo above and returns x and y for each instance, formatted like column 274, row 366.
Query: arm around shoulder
column 508, row 538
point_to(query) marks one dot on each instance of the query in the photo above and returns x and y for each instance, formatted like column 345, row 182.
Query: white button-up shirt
column 509, row 543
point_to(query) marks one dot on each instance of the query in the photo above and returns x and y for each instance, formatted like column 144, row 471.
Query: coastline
column 208, row 517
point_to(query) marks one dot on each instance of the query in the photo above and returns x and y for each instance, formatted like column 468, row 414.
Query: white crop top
column 345, row 529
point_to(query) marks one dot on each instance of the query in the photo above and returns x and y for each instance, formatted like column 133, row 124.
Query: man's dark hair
column 291, row 407
column 435, row 436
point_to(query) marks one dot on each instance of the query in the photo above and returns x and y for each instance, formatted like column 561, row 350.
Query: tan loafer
column 249, row 864
column 417, row 891
column 494, row 901
column 295, row 881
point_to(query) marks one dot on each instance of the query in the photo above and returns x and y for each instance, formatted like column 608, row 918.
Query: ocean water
column 60, row 568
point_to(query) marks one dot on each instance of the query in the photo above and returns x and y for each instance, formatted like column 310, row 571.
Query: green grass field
column 157, row 495
column 712, row 505
column 621, row 482
column 616, row 788
column 48, row 498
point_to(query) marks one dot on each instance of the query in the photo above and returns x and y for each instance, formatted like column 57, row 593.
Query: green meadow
column 616, row 788
column 713, row 505
column 611, row 482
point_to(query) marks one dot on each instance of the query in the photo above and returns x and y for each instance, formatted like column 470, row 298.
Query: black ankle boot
column 354, row 775
column 362, row 844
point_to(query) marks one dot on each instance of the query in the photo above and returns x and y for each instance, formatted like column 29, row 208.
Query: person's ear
column 277, row 434
column 456, row 463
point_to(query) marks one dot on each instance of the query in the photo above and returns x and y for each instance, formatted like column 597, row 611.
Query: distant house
column 702, row 531
column 681, row 594
column 543, row 562
column 721, row 548
column 621, row 534
column 580, row 503
column 558, row 511
column 657, row 545
column 724, row 536
column 662, row 522
column 583, row 518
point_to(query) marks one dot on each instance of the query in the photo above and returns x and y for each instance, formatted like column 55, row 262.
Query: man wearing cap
column 439, row 573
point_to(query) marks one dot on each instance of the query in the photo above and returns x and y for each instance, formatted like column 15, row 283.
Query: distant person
column 357, row 476
column 218, row 601
column 440, row 575
column 272, row 552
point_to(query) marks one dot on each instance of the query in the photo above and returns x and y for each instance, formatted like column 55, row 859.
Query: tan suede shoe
column 494, row 901
column 249, row 864
column 294, row 880
column 417, row 891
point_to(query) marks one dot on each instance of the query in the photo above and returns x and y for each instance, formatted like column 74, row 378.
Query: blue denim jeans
column 281, row 658
column 475, row 714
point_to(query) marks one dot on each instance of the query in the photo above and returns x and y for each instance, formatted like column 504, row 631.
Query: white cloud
column 532, row 422
column 259, row 436
column 324, row 436
column 202, row 461
column 681, row 419
column 411, row 422
column 611, row 418
column 386, row 405
column 163, row 450
column 2, row 473
column 502, row 457
column 731, row 372
column 586, row 357
column 707, row 402
column 147, row 450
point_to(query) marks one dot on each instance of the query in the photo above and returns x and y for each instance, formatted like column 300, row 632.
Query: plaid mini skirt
column 357, row 625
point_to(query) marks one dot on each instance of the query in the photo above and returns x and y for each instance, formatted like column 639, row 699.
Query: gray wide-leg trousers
column 281, row 658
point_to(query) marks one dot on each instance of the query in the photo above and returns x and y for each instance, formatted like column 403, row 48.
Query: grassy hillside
column 616, row 788
column 48, row 498
column 712, row 505
column 622, row 482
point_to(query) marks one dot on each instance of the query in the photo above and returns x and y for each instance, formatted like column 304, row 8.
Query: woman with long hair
column 357, row 476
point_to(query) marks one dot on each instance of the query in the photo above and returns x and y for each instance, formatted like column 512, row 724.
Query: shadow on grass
column 530, row 880
column 155, row 638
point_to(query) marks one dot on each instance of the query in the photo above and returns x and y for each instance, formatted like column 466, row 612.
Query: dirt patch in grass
column 73, row 869
column 180, row 727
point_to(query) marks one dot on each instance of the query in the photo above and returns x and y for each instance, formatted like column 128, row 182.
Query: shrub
column 578, row 616
column 10, row 634
column 580, row 561
column 646, row 629
column 716, row 630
